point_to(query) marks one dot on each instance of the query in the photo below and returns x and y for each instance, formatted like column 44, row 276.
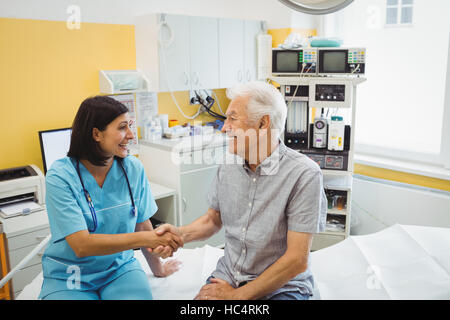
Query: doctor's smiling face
column 115, row 138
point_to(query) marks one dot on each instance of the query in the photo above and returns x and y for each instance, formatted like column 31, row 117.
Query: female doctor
column 99, row 203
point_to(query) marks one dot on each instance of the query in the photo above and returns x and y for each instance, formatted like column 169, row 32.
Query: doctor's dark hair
column 94, row 112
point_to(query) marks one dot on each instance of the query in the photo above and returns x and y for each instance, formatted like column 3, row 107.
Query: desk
column 166, row 199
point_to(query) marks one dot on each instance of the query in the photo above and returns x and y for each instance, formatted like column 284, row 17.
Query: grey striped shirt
column 258, row 208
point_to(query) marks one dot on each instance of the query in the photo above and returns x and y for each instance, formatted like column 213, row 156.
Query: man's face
column 237, row 125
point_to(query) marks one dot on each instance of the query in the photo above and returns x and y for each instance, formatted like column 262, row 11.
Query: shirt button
column 243, row 229
column 254, row 179
column 249, row 204
column 243, row 250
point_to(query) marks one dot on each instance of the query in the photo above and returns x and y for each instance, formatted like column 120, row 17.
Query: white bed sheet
column 399, row 262
column 197, row 266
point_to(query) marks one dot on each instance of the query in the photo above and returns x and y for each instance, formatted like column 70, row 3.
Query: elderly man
column 270, row 205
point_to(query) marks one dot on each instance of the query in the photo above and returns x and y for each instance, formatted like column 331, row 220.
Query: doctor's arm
column 290, row 264
column 85, row 244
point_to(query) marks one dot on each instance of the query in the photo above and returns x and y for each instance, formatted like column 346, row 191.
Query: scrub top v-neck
column 68, row 212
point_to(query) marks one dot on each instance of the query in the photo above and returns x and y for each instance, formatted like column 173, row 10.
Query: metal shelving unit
column 337, row 181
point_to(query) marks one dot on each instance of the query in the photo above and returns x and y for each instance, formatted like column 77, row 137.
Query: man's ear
column 96, row 134
column 264, row 123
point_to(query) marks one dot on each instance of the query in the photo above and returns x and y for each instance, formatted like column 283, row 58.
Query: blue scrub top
column 68, row 212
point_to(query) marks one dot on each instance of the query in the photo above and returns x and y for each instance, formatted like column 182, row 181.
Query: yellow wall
column 167, row 105
column 47, row 70
column 402, row 177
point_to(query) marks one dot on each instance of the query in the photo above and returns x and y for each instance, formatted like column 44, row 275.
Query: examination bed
column 399, row 262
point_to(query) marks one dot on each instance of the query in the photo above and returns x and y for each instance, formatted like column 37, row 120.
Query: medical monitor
column 334, row 61
column 54, row 145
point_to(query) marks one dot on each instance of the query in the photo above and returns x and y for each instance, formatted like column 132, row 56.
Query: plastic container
column 336, row 131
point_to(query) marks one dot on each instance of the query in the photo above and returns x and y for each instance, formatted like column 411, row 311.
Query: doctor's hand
column 162, row 251
column 165, row 243
column 167, row 268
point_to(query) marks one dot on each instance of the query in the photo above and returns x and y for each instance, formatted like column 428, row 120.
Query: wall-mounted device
column 320, row 132
column 329, row 93
column 296, row 133
column 329, row 160
column 342, row 61
column 318, row 61
column 294, row 62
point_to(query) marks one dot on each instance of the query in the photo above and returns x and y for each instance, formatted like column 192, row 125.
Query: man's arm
column 290, row 264
column 200, row 229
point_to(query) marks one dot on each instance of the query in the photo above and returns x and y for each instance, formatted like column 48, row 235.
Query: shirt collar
column 271, row 164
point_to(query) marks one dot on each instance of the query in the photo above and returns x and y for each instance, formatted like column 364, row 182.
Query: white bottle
column 336, row 131
column 147, row 131
column 157, row 130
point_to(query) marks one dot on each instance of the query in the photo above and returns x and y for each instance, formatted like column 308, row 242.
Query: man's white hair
column 264, row 99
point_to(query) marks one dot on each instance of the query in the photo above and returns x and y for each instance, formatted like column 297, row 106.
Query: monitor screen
column 54, row 145
column 334, row 62
column 287, row 61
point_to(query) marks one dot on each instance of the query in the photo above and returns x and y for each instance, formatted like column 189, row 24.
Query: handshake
column 165, row 241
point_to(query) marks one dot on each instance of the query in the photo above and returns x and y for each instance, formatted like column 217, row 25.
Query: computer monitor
column 54, row 145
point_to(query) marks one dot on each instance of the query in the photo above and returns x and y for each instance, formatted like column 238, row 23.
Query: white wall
column 406, row 70
column 377, row 204
column 122, row 11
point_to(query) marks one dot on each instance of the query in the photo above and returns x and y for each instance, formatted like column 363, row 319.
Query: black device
column 294, row 62
column 341, row 61
column 296, row 140
column 326, row 159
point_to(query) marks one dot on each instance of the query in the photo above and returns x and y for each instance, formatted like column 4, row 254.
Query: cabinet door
column 195, row 186
column 231, row 52
column 174, row 56
column 252, row 29
column 204, row 52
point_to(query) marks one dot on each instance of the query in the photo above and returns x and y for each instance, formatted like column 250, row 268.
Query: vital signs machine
column 320, row 93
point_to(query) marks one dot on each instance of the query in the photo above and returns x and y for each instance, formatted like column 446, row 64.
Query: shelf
column 122, row 81
column 339, row 173
column 333, row 233
column 342, row 212
column 305, row 80
column 337, row 182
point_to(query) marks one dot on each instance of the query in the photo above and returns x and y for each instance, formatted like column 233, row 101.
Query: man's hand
column 218, row 289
